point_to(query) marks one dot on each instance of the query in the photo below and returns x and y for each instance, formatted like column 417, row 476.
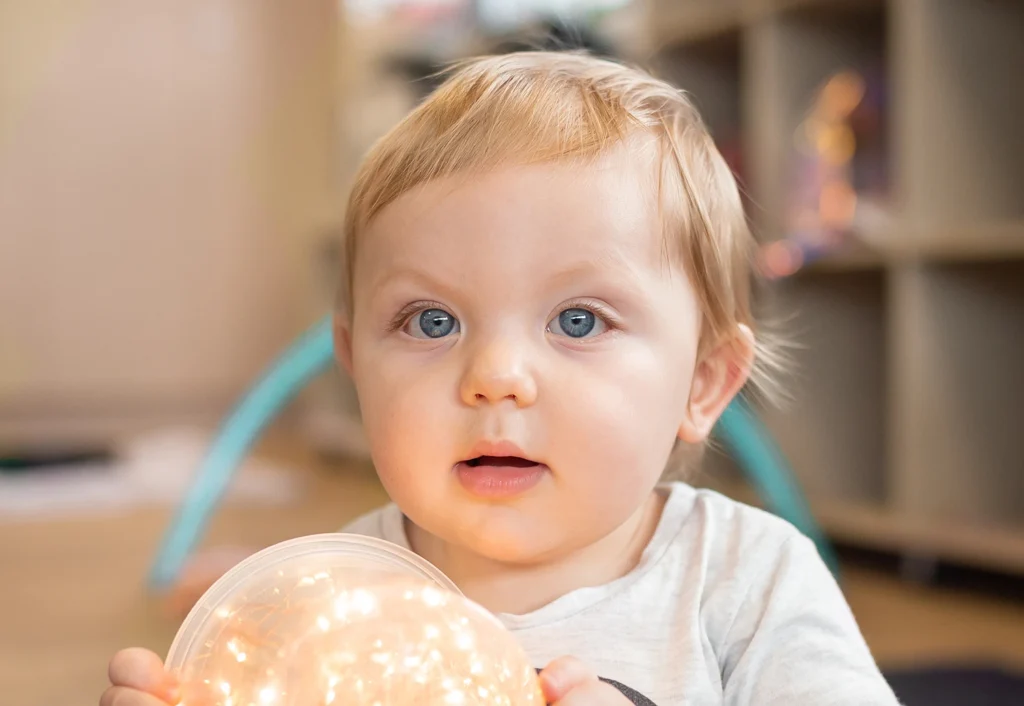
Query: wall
column 164, row 169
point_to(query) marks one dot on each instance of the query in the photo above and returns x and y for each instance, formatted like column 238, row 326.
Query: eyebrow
column 626, row 278
column 414, row 276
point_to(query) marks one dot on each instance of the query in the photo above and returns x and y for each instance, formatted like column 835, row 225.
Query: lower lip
column 498, row 481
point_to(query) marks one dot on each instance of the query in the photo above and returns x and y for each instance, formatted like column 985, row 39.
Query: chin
column 512, row 543
column 507, row 552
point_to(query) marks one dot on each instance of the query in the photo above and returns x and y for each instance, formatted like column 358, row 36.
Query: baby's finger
column 142, row 670
column 123, row 696
column 562, row 676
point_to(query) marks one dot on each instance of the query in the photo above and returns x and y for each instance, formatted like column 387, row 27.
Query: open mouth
column 500, row 474
column 501, row 461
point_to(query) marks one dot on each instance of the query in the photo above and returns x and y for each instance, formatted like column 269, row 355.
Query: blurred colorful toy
column 839, row 185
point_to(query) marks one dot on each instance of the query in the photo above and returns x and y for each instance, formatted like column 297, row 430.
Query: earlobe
column 343, row 343
column 718, row 377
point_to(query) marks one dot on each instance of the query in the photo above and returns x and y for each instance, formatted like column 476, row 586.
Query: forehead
column 532, row 217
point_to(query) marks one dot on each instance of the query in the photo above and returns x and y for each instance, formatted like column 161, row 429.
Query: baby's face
column 523, row 354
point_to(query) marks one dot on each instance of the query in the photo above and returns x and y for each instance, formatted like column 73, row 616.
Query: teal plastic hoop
column 311, row 355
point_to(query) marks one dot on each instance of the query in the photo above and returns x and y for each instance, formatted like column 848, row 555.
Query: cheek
column 619, row 431
column 405, row 411
column 620, row 415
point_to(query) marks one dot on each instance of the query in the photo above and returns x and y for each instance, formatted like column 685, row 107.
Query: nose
column 496, row 372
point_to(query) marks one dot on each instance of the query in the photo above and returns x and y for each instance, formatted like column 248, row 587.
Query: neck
column 521, row 588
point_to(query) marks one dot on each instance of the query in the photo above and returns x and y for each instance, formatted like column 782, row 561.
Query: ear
column 343, row 342
column 719, row 376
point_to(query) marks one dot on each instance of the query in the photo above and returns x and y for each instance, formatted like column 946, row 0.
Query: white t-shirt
column 728, row 605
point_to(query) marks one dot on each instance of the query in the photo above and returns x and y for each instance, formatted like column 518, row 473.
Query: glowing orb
column 347, row 620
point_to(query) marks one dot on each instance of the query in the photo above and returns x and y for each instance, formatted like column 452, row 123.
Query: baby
column 545, row 294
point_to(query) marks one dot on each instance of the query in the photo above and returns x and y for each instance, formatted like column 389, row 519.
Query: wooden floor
column 72, row 593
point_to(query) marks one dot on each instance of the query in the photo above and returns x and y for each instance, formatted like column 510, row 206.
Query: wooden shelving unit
column 906, row 426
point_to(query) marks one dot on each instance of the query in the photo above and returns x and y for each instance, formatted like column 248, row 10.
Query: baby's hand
column 138, row 678
column 569, row 682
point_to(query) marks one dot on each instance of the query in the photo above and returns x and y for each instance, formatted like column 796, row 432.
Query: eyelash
column 599, row 310
column 407, row 312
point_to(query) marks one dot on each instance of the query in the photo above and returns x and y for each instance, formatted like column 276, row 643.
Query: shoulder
column 730, row 530
column 767, row 598
column 739, row 546
column 742, row 554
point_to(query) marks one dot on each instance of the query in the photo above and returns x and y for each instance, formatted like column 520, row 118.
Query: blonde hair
column 536, row 107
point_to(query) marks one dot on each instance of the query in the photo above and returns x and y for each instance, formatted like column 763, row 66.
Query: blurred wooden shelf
column 677, row 22
column 873, row 526
column 983, row 242
column 762, row 8
column 907, row 389
column 686, row 22
column 969, row 243
column 855, row 256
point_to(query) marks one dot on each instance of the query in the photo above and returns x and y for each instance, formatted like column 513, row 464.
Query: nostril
column 478, row 397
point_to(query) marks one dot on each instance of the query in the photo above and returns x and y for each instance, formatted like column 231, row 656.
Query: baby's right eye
column 431, row 323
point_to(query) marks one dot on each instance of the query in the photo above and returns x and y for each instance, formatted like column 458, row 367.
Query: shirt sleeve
column 795, row 642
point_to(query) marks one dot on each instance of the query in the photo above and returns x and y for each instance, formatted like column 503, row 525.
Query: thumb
column 144, row 671
column 562, row 676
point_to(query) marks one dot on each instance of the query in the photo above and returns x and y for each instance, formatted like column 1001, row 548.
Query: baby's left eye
column 577, row 322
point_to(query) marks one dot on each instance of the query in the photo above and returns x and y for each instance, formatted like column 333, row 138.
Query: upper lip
column 497, row 448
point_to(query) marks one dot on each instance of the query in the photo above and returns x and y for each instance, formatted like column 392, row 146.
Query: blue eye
column 432, row 323
column 576, row 322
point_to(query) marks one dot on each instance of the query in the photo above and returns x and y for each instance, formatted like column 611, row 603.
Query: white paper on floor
column 153, row 469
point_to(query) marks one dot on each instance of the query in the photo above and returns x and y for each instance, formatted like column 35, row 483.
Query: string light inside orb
column 341, row 619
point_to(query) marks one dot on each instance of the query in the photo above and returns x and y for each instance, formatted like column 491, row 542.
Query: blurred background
column 172, row 180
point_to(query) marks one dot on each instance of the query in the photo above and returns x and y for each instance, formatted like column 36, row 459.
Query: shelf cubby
column 957, row 125
column 959, row 395
column 790, row 54
column 833, row 428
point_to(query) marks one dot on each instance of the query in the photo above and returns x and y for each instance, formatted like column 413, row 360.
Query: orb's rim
column 345, row 544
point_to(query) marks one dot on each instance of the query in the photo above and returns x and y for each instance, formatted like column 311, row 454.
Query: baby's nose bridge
column 500, row 366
